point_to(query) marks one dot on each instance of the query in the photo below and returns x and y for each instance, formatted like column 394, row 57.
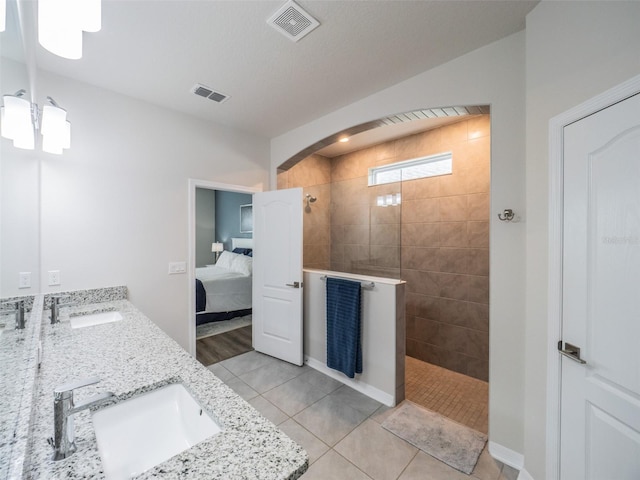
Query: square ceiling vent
column 292, row 21
column 210, row 93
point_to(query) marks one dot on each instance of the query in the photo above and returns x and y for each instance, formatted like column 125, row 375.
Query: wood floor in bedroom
column 214, row 349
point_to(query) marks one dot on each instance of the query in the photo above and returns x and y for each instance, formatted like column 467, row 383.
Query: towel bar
column 363, row 285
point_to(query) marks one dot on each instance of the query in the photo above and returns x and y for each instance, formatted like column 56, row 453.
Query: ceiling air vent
column 209, row 93
column 292, row 21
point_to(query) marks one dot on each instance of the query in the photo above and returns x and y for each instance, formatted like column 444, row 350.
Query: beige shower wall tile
column 386, row 215
column 453, row 234
column 383, row 256
column 351, row 165
column 452, row 285
column 351, row 191
column 453, row 209
column 420, row 258
column 421, row 234
column 316, row 234
column 478, row 233
column 385, row 234
column 421, row 211
column 453, row 134
column 479, row 127
column 313, row 170
column 283, row 180
column 356, row 235
column 315, row 254
column 478, row 289
column 423, row 283
column 478, row 259
column 421, row 188
column 453, row 260
column 478, row 206
column 349, row 214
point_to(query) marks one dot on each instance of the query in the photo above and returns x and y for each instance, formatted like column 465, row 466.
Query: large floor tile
column 221, row 372
column 247, row 362
column 509, row 473
column 269, row 376
column 242, row 389
column 333, row 467
column 357, row 400
column 330, row 419
column 320, row 381
column 314, row 447
column 487, row 467
column 375, row 451
column 426, row 467
column 268, row 410
column 294, row 396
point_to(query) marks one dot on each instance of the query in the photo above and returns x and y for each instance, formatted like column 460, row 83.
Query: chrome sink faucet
column 63, row 440
column 19, row 312
column 56, row 306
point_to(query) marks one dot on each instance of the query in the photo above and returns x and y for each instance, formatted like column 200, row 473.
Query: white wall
column 575, row 50
column 491, row 75
column 19, row 201
column 114, row 207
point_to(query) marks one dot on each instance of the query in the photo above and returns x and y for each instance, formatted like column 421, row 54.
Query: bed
column 223, row 290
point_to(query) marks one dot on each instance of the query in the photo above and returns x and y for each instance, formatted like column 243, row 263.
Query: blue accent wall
column 228, row 216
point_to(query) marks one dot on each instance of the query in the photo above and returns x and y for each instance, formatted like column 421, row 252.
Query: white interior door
column 600, row 399
column 277, row 274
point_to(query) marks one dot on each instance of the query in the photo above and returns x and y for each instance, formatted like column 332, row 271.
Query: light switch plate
column 54, row 277
column 177, row 267
column 25, row 280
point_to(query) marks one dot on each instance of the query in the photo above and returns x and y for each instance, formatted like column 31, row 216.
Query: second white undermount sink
column 93, row 319
column 142, row 432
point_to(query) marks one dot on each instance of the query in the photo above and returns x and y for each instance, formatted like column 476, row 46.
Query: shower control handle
column 294, row 285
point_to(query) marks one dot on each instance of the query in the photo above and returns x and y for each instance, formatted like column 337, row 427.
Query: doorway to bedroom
column 222, row 248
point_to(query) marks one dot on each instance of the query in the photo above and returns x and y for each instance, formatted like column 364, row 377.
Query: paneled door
column 600, row 347
column 277, row 274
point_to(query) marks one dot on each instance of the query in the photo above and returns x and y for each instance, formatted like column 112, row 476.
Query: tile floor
column 338, row 427
column 458, row 397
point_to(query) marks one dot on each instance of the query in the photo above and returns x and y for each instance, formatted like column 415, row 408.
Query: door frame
column 191, row 251
column 554, row 312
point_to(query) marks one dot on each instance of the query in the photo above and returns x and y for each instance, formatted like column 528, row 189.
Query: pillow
column 243, row 251
column 242, row 264
column 225, row 260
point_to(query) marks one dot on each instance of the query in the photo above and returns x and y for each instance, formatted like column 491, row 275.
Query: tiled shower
column 437, row 238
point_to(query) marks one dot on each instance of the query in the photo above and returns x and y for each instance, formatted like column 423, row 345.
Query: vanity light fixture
column 3, row 15
column 19, row 119
column 60, row 25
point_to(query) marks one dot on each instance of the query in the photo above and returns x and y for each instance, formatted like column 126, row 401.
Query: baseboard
column 524, row 475
column 363, row 388
column 506, row 456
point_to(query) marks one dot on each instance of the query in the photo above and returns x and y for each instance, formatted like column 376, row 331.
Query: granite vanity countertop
column 18, row 364
column 133, row 356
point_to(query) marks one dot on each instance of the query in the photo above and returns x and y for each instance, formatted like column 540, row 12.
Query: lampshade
column 55, row 129
column 217, row 247
column 61, row 23
column 3, row 15
column 16, row 122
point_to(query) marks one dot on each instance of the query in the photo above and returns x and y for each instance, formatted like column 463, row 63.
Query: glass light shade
column 3, row 15
column 16, row 122
column 61, row 22
column 55, row 129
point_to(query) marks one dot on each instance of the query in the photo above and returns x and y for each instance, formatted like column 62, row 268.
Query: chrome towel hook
column 310, row 200
column 507, row 215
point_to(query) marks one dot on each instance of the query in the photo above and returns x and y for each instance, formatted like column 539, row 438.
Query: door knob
column 294, row 284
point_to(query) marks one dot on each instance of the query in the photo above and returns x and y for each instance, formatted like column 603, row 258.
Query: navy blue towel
column 344, row 346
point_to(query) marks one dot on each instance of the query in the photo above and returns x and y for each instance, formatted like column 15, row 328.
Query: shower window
column 423, row 167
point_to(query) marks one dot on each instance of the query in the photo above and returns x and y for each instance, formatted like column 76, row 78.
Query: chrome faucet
column 56, row 306
column 19, row 311
column 63, row 440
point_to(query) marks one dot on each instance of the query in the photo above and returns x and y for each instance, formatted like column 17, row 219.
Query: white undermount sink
column 142, row 432
column 93, row 319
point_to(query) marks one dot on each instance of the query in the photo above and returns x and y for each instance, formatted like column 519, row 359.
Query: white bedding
column 226, row 290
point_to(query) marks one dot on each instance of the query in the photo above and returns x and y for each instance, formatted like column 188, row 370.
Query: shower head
column 310, row 200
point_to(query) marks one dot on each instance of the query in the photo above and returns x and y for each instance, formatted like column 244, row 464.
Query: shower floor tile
column 458, row 397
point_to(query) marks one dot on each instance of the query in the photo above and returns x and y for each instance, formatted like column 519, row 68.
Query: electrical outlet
column 25, row 280
column 177, row 267
column 54, row 277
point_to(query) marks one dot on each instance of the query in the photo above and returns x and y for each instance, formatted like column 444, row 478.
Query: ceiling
column 157, row 50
